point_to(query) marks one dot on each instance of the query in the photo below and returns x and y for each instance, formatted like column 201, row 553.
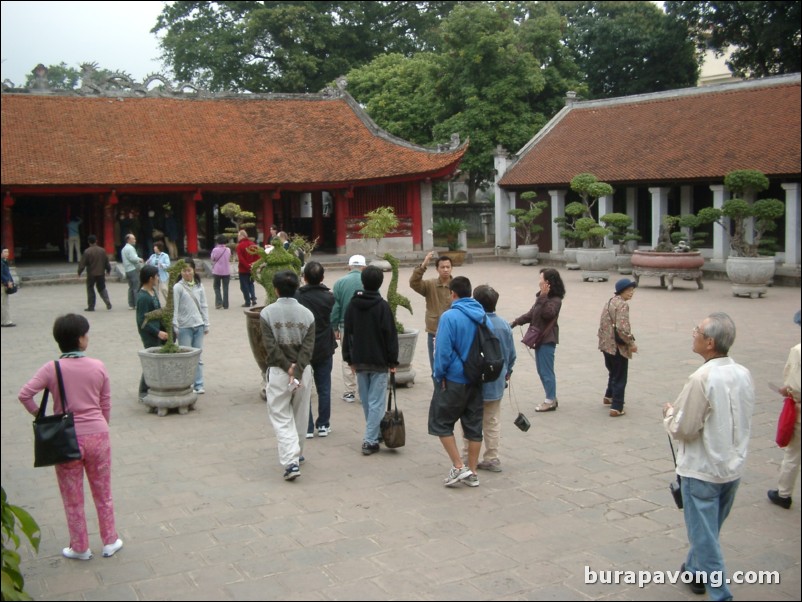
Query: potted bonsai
column 169, row 370
column 377, row 224
column 526, row 228
column 450, row 227
column 619, row 225
column 594, row 260
column 671, row 259
column 749, row 272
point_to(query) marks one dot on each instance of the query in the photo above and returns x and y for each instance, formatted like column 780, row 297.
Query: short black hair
column 188, row 261
column 313, row 272
column 91, row 239
column 372, row 278
column 220, row 239
column 487, row 297
column 160, row 245
column 68, row 329
column 462, row 286
column 442, row 258
column 286, row 283
column 146, row 273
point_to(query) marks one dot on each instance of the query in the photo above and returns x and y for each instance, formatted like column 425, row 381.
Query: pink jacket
column 86, row 384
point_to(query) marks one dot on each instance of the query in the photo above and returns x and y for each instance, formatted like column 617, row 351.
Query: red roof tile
column 71, row 140
column 695, row 134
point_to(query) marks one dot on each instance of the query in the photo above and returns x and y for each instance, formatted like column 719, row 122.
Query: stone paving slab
column 205, row 514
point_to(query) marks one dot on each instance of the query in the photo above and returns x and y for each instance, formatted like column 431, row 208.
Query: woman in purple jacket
column 221, row 270
column 86, row 384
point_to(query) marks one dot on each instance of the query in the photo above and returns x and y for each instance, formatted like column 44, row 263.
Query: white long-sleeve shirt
column 186, row 312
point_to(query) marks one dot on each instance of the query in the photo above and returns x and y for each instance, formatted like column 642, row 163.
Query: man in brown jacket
column 437, row 294
column 96, row 263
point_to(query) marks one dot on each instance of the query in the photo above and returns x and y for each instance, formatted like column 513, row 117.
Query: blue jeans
column 221, row 300
column 372, row 389
column 246, row 286
column 706, row 506
column 617, row 371
column 544, row 359
column 193, row 337
column 322, row 373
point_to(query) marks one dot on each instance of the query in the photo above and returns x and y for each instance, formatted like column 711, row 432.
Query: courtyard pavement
column 205, row 514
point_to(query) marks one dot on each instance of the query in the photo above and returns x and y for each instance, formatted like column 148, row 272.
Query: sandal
column 547, row 407
column 617, row 413
column 607, row 401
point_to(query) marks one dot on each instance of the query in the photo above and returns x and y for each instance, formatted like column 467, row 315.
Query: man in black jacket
column 96, row 263
column 318, row 299
column 370, row 347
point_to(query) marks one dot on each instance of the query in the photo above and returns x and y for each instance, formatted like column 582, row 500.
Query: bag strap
column 391, row 396
column 43, row 406
column 514, row 403
column 61, row 392
column 671, row 445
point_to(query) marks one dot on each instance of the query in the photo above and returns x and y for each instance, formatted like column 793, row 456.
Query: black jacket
column 318, row 299
column 370, row 341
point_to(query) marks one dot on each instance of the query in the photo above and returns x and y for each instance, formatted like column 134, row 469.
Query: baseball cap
column 358, row 260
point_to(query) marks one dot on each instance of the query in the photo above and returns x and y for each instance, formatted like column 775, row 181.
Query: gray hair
column 721, row 329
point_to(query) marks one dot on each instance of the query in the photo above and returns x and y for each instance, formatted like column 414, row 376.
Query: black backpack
column 485, row 360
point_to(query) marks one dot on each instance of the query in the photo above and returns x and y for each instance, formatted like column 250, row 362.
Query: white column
column 504, row 236
column 659, row 209
column 426, row 215
column 557, row 210
column 686, row 204
column 792, row 212
column 632, row 206
column 605, row 207
column 721, row 236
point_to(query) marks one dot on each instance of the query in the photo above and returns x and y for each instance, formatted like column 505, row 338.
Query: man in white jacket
column 710, row 421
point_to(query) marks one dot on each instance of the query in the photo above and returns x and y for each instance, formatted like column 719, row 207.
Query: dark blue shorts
column 456, row 402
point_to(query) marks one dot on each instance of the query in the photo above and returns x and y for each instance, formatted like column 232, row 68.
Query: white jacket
column 189, row 312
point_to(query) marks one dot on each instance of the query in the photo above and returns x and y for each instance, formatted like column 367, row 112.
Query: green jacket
column 344, row 290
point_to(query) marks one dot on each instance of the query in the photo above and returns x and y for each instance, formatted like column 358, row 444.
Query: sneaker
column 292, row 472
column 491, row 465
column 200, row 390
column 112, row 548
column 369, row 448
column 776, row 498
column 455, row 475
column 472, row 480
column 89, row 309
column 70, row 553
column 349, row 397
column 301, row 460
column 697, row 586
column 108, row 307
column 323, row 431
column 617, row 413
column 310, row 435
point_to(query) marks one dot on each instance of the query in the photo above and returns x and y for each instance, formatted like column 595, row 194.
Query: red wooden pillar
column 108, row 223
column 413, row 198
column 340, row 213
column 191, row 221
column 8, row 224
column 267, row 213
column 317, row 215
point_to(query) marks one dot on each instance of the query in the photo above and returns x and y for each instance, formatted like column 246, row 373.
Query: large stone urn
column 404, row 373
column 596, row 263
column 527, row 254
column 169, row 377
column 570, row 258
column 750, row 276
column 258, row 350
column 668, row 266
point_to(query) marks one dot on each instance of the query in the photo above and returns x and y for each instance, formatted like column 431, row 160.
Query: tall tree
column 628, row 47
column 278, row 46
column 765, row 36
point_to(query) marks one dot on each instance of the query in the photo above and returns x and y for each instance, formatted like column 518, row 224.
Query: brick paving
column 205, row 514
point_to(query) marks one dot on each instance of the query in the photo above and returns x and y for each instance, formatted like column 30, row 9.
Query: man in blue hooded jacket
column 455, row 398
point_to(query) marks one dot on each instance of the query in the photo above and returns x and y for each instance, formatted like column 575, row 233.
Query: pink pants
column 96, row 460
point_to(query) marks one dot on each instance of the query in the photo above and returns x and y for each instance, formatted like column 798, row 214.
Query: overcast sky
column 115, row 35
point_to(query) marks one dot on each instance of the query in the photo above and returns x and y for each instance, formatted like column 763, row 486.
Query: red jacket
column 246, row 260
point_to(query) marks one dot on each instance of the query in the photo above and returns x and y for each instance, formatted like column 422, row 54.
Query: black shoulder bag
column 54, row 436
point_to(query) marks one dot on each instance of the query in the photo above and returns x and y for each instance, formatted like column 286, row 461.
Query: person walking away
column 246, row 259
column 437, row 294
column 161, row 260
column 317, row 298
column 132, row 264
column 544, row 315
column 790, row 465
column 147, row 301
column 74, row 238
column 455, row 398
column 97, row 265
column 288, row 334
column 370, row 347
column 710, row 421
column 344, row 290
column 221, row 271
column 191, row 314
column 617, row 343
column 86, row 385
column 7, row 283
column 492, row 392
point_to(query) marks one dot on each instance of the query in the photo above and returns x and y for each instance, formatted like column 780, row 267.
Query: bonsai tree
column 165, row 314
column 450, row 227
column 524, row 222
column 579, row 224
column 269, row 264
column 394, row 298
column 619, row 226
column 242, row 219
column 749, row 220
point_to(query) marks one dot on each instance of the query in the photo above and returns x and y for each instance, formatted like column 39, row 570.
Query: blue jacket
column 455, row 334
column 495, row 390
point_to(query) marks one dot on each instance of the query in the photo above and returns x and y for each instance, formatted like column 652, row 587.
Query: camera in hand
column 522, row 422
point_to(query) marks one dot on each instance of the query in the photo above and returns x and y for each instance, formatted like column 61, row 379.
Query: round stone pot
column 170, row 377
column 457, row 259
column 570, row 258
column 404, row 373
column 595, row 263
column 258, row 350
column 624, row 263
column 750, row 276
column 527, row 254
column 668, row 266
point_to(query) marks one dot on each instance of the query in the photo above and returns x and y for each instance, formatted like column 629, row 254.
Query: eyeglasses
column 697, row 330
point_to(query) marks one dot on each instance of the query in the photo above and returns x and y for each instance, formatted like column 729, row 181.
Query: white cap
column 358, row 260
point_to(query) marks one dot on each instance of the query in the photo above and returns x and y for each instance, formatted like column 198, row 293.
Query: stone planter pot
column 404, row 373
column 457, row 259
column 382, row 264
column 750, row 276
column 668, row 266
column 169, row 377
column 258, row 350
column 570, row 259
column 595, row 263
column 624, row 263
column 527, row 254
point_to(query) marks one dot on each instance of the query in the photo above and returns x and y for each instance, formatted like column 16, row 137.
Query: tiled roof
column 693, row 134
column 71, row 140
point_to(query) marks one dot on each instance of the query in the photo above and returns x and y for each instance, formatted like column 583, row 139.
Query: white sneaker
column 70, row 553
column 349, row 397
column 200, row 390
column 310, row 435
column 112, row 548
column 323, row 431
